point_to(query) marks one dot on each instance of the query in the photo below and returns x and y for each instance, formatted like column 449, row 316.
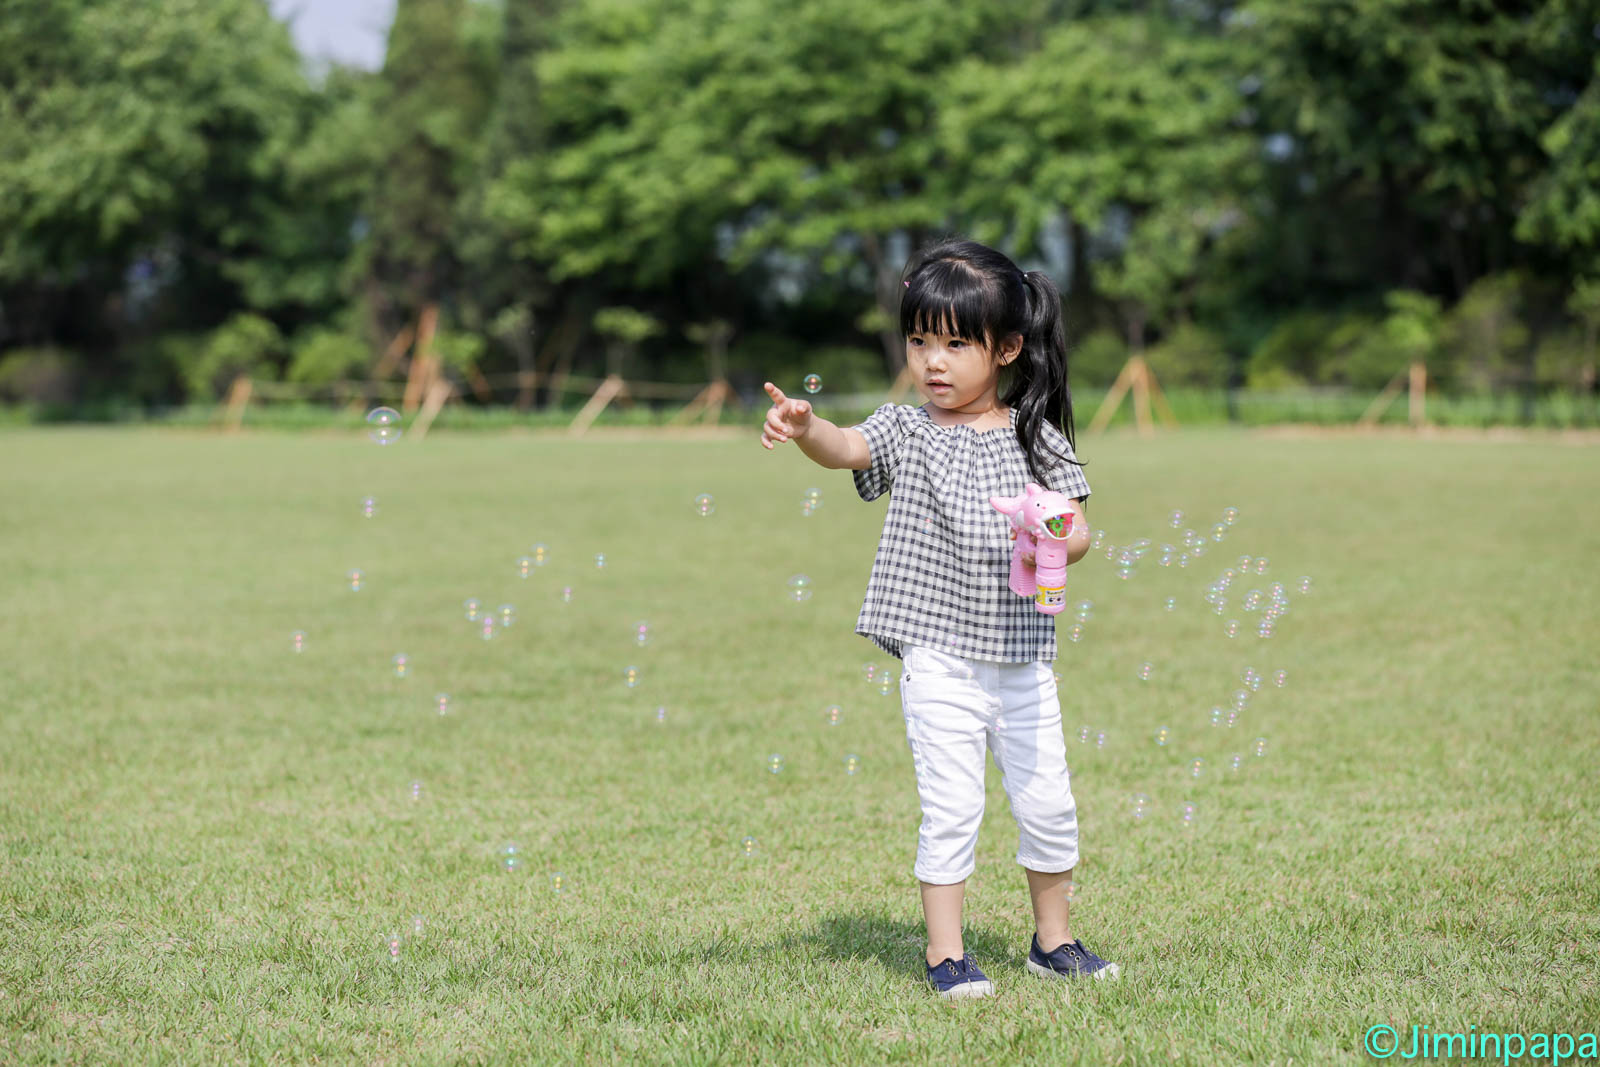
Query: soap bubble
column 416, row 790
column 558, row 881
column 1230, row 516
column 1146, row 670
column 1252, row 679
column 1261, row 564
column 1083, row 735
column 630, row 676
column 1235, row 761
column 1218, row 532
column 566, row 594
column 1231, row 628
column 1172, row 603
column 869, row 669
column 1265, row 630
column 833, row 714
column 1175, row 520
column 507, row 613
column 392, row 944
column 1141, row 806
column 473, row 608
column 441, row 701
column 540, row 553
column 600, row 561
column 1085, row 608
column 487, row 627
column 383, row 425
column 1100, row 739
column 1260, row 747
column 775, row 763
column 811, row 501
column 1280, row 678
column 852, row 763
column 510, row 857
column 641, row 633
column 1241, row 699
column 1217, row 716
column 297, row 640
column 799, row 588
column 524, row 566
column 748, row 846
column 661, row 713
column 1188, row 813
column 1163, row 735
column 369, row 507
column 704, row 505
column 1197, row 767
column 416, row 925
column 1233, row 717
column 1075, row 632
column 813, row 383
column 885, row 683
column 402, row 665
column 1304, row 584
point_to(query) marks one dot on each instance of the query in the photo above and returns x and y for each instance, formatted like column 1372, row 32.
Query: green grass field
column 204, row 837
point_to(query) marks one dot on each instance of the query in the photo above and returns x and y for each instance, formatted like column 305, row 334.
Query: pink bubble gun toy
column 1041, row 522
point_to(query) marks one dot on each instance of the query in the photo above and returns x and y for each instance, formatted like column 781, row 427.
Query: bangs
column 946, row 297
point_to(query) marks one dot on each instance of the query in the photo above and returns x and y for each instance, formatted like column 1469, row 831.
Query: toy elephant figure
column 1041, row 522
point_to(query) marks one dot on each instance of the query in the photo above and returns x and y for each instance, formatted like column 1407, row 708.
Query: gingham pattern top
column 943, row 566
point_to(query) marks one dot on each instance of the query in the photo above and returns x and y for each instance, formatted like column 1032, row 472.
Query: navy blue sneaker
column 1071, row 960
column 959, row 978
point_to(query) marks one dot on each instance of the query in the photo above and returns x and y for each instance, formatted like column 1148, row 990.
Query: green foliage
column 1095, row 361
column 246, row 344
column 1189, row 355
column 327, row 355
column 38, row 376
column 625, row 324
column 1197, row 171
column 1485, row 333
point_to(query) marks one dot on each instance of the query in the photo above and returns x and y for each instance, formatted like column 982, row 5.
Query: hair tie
column 908, row 285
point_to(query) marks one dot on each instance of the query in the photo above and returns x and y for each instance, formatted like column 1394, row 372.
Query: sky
column 350, row 31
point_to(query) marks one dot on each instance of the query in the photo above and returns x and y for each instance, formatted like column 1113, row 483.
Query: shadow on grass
column 897, row 945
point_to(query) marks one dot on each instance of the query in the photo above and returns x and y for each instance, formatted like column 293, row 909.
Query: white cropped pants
column 953, row 708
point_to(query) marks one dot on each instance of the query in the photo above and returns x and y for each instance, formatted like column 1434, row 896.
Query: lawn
column 206, row 837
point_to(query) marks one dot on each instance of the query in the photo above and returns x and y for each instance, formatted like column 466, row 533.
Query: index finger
column 776, row 393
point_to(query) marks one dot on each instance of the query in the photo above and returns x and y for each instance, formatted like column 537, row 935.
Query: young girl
column 977, row 656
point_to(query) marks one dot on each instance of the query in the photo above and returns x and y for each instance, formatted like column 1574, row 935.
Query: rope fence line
column 700, row 405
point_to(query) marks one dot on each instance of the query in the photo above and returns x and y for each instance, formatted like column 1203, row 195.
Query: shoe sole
column 969, row 989
column 1110, row 970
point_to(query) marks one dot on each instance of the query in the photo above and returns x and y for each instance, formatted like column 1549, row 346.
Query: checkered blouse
column 944, row 560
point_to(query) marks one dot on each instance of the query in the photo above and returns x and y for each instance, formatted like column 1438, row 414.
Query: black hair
column 978, row 294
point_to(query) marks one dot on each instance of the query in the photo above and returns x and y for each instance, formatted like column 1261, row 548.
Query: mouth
column 938, row 384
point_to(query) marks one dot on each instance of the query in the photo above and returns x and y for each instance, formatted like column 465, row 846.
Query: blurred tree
column 810, row 139
column 1406, row 135
column 1124, row 123
column 431, row 105
column 145, row 176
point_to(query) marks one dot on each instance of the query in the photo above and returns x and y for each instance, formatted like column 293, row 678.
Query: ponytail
column 1039, row 388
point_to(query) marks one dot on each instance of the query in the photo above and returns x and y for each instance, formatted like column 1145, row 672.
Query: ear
column 1032, row 489
column 1006, row 505
column 1010, row 348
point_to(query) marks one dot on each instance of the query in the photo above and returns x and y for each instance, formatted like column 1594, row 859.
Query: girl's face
column 957, row 374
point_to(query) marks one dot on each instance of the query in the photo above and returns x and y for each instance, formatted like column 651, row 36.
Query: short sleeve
column 885, row 431
column 1065, row 478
